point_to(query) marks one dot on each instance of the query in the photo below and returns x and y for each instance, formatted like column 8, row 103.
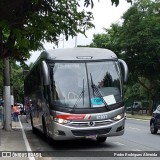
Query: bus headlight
column 61, row 121
column 118, row 117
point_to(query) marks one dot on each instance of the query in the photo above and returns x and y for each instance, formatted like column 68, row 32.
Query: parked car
column 136, row 106
column 155, row 121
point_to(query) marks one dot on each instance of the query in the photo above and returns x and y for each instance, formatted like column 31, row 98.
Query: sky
column 104, row 15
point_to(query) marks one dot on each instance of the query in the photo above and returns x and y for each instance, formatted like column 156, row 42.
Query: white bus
column 77, row 93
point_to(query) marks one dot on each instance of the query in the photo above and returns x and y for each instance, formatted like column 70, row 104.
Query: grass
column 136, row 116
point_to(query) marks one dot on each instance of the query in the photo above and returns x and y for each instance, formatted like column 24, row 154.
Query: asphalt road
column 137, row 137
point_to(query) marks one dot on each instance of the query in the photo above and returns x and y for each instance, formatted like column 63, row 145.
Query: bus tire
column 101, row 139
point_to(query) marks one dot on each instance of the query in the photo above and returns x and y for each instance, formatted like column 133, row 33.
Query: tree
column 99, row 40
column 28, row 23
column 116, row 2
column 140, row 43
column 109, row 39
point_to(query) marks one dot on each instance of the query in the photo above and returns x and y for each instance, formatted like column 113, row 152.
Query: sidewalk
column 12, row 141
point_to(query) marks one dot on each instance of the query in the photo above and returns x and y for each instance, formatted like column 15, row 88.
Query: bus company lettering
column 102, row 116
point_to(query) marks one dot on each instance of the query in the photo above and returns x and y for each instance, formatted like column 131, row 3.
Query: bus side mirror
column 45, row 72
column 124, row 69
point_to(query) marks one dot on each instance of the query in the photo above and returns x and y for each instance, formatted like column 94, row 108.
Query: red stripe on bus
column 71, row 117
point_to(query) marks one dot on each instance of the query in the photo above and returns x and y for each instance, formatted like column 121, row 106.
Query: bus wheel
column 101, row 139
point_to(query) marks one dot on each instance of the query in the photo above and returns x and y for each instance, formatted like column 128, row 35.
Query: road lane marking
column 134, row 128
column 118, row 143
column 136, row 150
column 26, row 140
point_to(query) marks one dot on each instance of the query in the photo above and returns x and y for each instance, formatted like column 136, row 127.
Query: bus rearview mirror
column 124, row 69
column 45, row 72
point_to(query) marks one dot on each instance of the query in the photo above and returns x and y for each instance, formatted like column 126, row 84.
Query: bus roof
column 79, row 54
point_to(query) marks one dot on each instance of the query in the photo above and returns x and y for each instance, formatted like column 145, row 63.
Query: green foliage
column 140, row 38
column 90, row 2
column 100, row 40
column 17, row 79
column 135, row 91
column 27, row 24
column 109, row 40
column 140, row 43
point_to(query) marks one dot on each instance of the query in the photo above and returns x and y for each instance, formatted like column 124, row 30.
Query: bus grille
column 90, row 132
column 86, row 124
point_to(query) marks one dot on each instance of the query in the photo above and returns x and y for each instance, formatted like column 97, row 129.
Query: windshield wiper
column 79, row 97
column 95, row 89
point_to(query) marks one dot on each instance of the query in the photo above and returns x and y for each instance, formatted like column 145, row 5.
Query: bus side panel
column 35, row 94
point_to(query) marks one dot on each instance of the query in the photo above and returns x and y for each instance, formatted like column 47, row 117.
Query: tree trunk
column 150, row 96
column 7, row 96
column 150, row 103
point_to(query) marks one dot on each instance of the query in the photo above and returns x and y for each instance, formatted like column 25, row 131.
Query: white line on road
column 118, row 143
column 26, row 140
column 134, row 128
column 136, row 150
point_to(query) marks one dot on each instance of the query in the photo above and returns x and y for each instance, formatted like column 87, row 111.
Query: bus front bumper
column 64, row 132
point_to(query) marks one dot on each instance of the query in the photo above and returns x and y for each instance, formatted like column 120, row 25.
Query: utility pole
column 6, row 89
column 7, row 95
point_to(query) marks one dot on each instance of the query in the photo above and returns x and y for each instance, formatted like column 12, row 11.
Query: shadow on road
column 79, row 144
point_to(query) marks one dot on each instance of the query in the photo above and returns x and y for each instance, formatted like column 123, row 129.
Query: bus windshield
column 85, row 85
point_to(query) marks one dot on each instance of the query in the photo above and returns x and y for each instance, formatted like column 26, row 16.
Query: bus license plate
column 92, row 136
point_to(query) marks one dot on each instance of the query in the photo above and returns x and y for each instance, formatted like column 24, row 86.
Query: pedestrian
column 2, row 114
column 15, row 112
